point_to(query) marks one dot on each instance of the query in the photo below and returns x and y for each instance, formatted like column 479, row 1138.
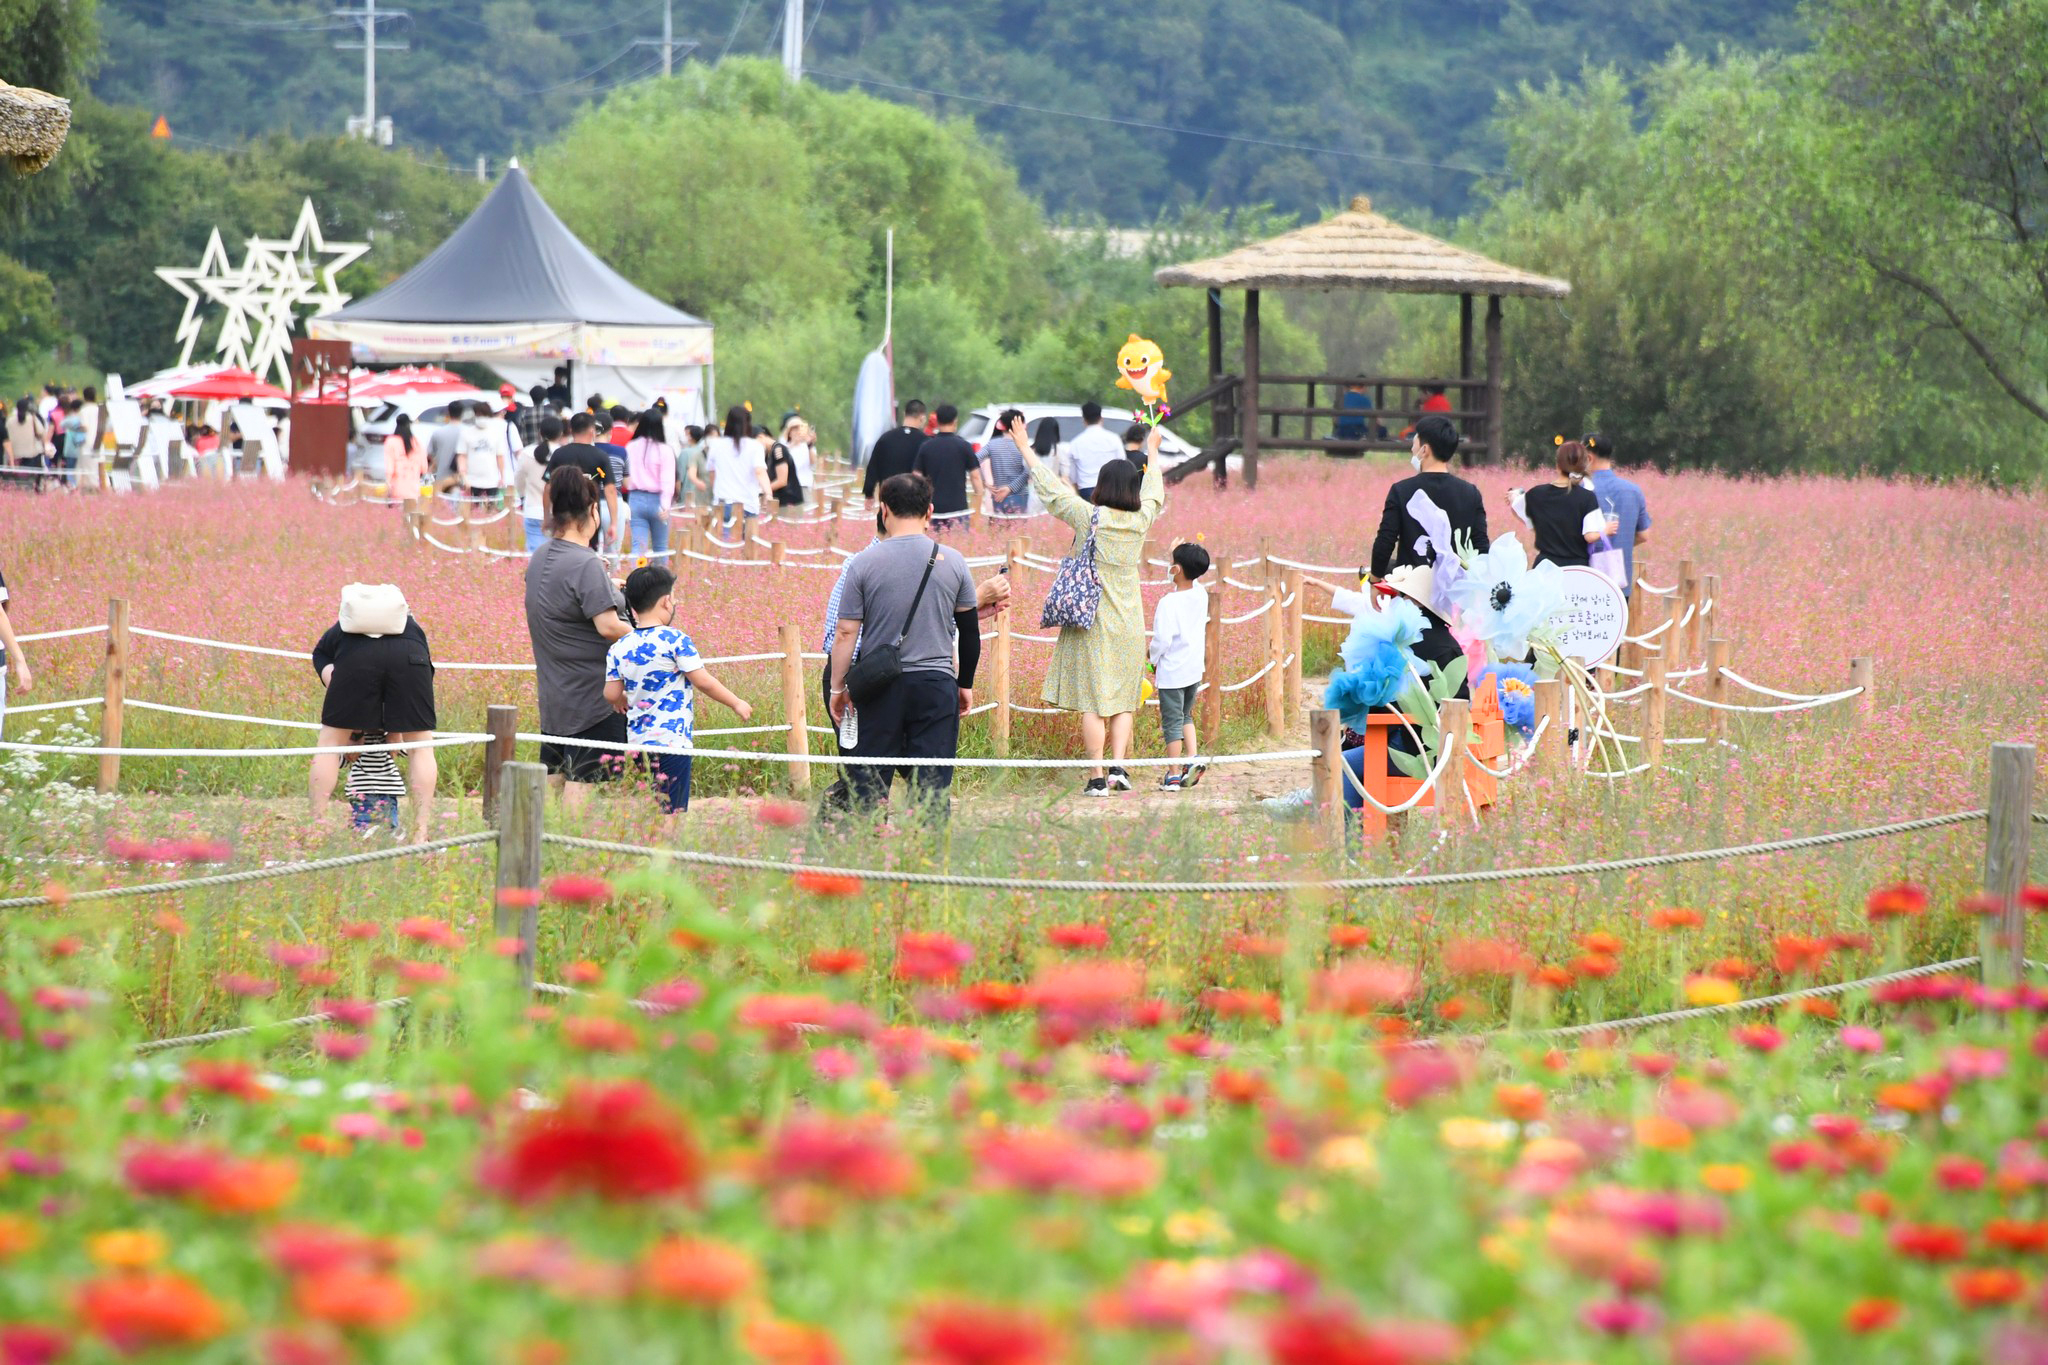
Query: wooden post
column 1717, row 686
column 1276, row 659
column 794, row 708
column 1213, row 311
column 778, row 553
column 1006, row 629
column 1863, row 674
column 1295, row 584
column 1705, row 624
column 1675, row 639
column 1326, row 736
column 1654, row 702
column 1211, row 729
column 2007, row 836
column 1248, row 410
column 833, row 506
column 1630, row 655
column 1553, row 754
column 501, row 722
column 1454, row 732
column 1496, row 437
column 114, row 693
column 520, row 809
column 1696, row 627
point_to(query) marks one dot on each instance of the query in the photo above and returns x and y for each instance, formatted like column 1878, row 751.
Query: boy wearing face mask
column 1433, row 447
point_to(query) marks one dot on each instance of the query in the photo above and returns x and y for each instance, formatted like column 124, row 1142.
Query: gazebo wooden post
column 1248, row 409
column 1222, row 412
column 1495, row 446
column 1464, row 358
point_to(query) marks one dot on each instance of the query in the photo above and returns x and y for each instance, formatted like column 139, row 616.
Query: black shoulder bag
column 879, row 666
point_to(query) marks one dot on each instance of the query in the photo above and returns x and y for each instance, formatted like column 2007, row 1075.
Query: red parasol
column 224, row 383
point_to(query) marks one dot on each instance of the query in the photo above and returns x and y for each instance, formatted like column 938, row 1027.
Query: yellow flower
column 1725, row 1177
column 881, row 1093
column 1711, row 990
column 1134, row 1225
column 1592, row 1061
column 1348, row 1153
column 128, row 1248
column 1201, row 1227
column 1475, row 1135
column 1301, row 1203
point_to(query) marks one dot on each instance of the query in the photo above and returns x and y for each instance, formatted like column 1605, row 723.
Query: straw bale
column 32, row 126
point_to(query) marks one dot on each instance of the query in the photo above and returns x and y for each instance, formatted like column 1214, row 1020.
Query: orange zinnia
column 827, row 883
column 697, row 1271
column 369, row 1300
column 1675, row 917
column 1872, row 1315
column 259, row 1185
column 138, row 1312
column 1988, row 1286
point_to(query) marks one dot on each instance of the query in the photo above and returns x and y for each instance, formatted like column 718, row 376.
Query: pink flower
column 1857, row 1038
column 1621, row 1317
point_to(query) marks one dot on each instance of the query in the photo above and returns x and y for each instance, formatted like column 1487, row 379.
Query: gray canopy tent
column 513, row 288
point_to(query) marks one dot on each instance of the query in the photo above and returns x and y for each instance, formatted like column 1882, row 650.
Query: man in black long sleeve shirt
column 895, row 450
column 1436, row 445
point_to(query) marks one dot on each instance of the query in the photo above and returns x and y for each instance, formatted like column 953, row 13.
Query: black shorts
column 382, row 684
column 578, row 764
column 484, row 494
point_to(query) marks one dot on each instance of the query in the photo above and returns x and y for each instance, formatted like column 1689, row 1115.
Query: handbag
column 879, row 666
column 1076, row 590
column 373, row 609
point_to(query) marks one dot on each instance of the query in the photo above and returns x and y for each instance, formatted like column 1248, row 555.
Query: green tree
column 28, row 315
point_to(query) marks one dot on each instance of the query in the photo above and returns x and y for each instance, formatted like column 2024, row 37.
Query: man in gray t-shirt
column 917, row 716
column 444, row 442
column 572, row 616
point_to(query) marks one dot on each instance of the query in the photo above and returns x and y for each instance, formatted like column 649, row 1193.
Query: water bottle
column 849, row 728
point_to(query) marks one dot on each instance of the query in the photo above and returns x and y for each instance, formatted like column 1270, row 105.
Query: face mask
column 1415, row 463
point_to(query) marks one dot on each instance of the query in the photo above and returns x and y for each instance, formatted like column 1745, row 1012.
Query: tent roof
column 1360, row 249
column 514, row 261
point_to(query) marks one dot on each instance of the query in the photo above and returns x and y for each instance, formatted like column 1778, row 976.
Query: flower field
column 826, row 1117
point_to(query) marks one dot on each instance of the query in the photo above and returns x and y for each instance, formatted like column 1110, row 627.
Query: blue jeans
column 533, row 533
column 650, row 523
column 1016, row 504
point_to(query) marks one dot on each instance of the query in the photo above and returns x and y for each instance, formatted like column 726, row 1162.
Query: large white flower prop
column 1504, row 601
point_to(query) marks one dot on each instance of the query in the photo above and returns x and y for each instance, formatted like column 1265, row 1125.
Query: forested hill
column 1322, row 97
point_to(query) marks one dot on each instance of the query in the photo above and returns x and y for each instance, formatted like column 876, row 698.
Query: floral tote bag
column 1076, row 589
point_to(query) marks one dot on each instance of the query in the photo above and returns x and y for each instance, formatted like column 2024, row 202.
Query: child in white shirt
column 1180, row 629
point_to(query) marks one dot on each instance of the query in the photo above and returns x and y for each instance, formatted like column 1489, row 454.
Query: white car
column 366, row 449
column 975, row 427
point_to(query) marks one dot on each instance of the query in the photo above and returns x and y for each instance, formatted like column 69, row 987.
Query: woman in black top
column 782, row 476
column 1564, row 513
column 377, row 682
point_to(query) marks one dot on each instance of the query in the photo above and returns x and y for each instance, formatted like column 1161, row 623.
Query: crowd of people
column 63, row 439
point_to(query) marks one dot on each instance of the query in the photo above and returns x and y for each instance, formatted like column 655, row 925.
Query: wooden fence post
column 1326, row 735
column 1294, row 584
column 1553, row 753
column 1211, row 728
column 502, row 722
column 1454, row 733
column 520, row 809
column 114, row 692
column 795, row 709
column 1276, row 660
column 1863, row 674
column 1675, row 639
column 1717, row 687
column 999, row 721
column 833, row 505
column 2008, row 834
column 1654, row 702
column 1630, row 655
column 1696, row 628
column 778, row 552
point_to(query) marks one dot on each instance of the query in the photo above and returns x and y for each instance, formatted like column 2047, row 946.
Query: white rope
column 60, row 634
column 1647, row 636
column 54, row 706
column 222, row 715
column 782, row 729
column 1312, row 568
column 1235, row 583
column 1327, row 620
column 1263, row 608
column 1646, row 586
column 1270, row 666
column 977, row 710
column 298, row 751
column 1806, row 705
column 1732, row 676
column 871, row 760
column 1625, row 693
column 1519, row 762
column 301, row 655
column 428, row 537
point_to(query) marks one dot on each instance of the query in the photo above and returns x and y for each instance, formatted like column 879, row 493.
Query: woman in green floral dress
column 1100, row 671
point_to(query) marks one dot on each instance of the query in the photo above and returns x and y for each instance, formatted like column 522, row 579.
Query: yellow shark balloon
column 1141, row 368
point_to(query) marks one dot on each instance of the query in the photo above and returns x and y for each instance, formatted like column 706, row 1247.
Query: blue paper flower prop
column 1376, row 661
column 1503, row 600
column 1516, row 684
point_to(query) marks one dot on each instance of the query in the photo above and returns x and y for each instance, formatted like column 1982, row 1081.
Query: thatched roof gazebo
column 1355, row 249
column 33, row 125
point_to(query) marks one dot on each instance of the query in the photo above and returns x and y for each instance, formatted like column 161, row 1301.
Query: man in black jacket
column 1434, row 447
column 895, row 452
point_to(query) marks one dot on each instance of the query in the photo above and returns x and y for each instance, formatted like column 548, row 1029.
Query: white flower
column 1504, row 600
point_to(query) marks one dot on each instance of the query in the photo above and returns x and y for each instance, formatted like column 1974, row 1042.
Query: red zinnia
column 831, row 884
column 1988, row 1286
column 859, row 1157
column 697, row 1271
column 780, row 814
column 616, row 1140
column 1929, row 1241
column 579, row 889
column 1895, row 902
column 1333, row 1335
column 1360, row 987
column 27, row 1343
column 421, row 929
column 1872, row 1315
column 1675, row 917
column 1081, row 936
column 837, row 961
column 958, row 1332
column 784, row 1018
column 369, row 1300
column 931, row 957
column 1483, row 957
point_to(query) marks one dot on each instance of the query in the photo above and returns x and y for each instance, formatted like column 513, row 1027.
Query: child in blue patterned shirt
column 653, row 675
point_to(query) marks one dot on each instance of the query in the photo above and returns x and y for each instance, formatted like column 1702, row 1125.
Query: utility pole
column 793, row 40
column 366, row 16
column 667, row 41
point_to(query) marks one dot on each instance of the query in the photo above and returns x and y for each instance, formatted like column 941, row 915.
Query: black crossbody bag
column 879, row 666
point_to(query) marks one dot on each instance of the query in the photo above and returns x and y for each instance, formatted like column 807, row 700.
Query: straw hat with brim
column 1410, row 580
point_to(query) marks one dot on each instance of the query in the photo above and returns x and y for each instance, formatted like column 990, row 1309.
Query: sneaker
column 1192, row 774
column 1171, row 782
column 1096, row 786
column 1119, row 780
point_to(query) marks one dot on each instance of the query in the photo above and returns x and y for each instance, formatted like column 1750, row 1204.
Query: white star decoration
column 260, row 300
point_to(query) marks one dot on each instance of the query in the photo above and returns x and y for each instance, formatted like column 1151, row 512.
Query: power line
column 1151, row 126
column 618, row 56
column 745, row 10
column 633, row 18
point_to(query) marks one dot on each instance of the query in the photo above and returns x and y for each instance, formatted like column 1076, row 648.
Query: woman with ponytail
column 531, row 477
column 405, row 470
